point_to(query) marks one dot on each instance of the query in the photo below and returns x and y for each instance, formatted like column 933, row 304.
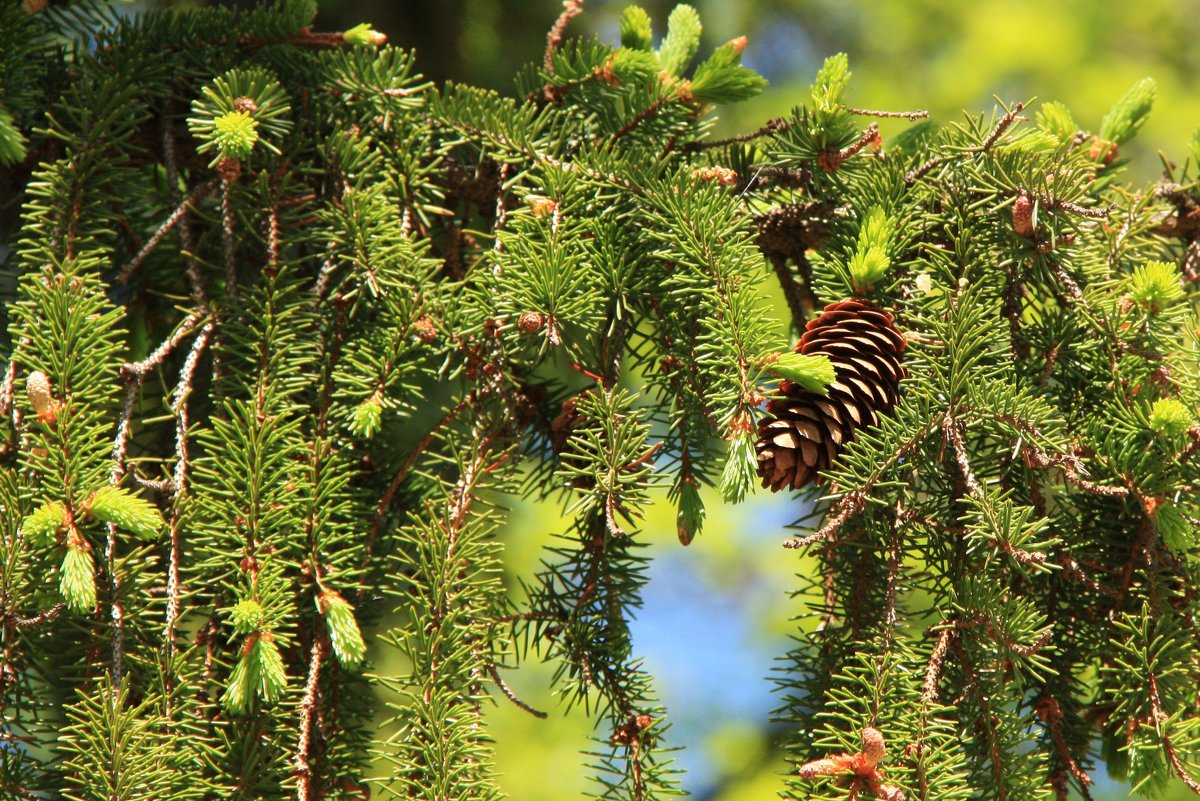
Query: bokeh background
column 717, row 615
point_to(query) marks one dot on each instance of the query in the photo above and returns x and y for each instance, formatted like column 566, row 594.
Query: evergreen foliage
column 284, row 324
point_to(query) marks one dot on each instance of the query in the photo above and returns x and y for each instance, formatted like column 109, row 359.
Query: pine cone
column 804, row 430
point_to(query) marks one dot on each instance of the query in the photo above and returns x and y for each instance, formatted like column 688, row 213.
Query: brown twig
column 554, row 39
column 1161, row 717
column 851, row 504
column 193, row 199
column 952, row 429
column 903, row 115
column 507, row 692
column 1002, row 125
column 6, row 387
column 1070, row 466
column 772, row 127
column 179, row 407
column 136, row 371
column 933, row 670
column 228, row 246
column 22, row 623
column 385, row 502
column 643, row 115
column 308, row 708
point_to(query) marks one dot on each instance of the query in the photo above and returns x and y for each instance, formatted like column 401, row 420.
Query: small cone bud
column 424, row 328
column 40, row 396
column 229, row 168
column 531, row 322
column 1022, row 215
column 720, row 175
column 542, row 206
column 873, row 747
column 246, row 105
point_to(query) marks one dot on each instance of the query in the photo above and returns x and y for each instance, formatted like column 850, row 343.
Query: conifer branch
column 196, row 280
column 135, row 372
column 1002, row 125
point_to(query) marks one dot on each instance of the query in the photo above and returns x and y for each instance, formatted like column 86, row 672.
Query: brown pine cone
column 804, row 430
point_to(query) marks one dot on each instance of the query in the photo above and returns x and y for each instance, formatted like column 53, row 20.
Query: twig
column 136, row 371
column 385, row 501
column 179, row 480
column 325, row 274
column 851, row 503
column 120, row 445
column 933, row 670
column 1001, row 126
column 554, row 39
column 1053, row 204
column 951, row 428
column 227, row 238
column 199, row 295
column 1050, row 711
column 272, row 240
column 774, row 126
column 643, row 115
column 308, row 706
column 22, row 623
column 832, row 160
column 172, row 220
column 791, row 291
column 494, row 672
column 1070, row 467
column 903, row 115
column 6, row 388
column 997, row 131
column 1160, row 717
column 914, row 175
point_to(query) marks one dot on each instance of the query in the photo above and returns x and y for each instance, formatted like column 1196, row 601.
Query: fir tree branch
column 1047, row 708
column 385, row 501
column 179, row 482
column 135, row 372
column 933, row 669
column 1002, row 125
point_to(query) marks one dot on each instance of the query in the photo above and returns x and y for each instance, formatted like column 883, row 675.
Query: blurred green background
column 716, row 614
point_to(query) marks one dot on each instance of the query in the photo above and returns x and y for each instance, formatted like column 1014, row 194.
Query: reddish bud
column 1022, row 215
